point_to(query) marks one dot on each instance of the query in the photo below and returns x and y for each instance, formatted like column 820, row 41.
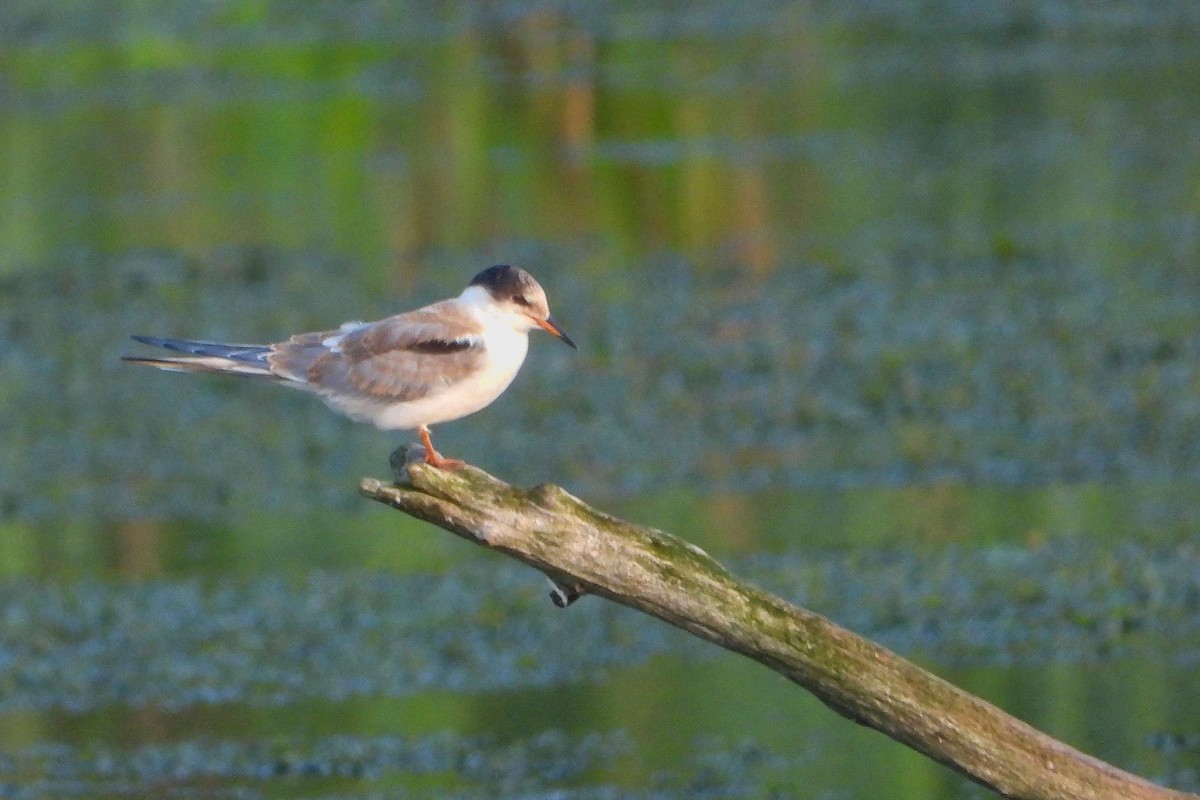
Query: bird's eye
column 521, row 301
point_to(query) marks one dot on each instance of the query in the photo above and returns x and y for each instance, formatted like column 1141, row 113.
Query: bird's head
column 514, row 293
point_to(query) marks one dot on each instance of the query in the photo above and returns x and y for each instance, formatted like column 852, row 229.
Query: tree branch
column 584, row 550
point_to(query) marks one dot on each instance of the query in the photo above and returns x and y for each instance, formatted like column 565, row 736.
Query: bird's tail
column 228, row 359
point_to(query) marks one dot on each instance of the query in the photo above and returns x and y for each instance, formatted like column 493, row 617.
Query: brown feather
column 401, row 358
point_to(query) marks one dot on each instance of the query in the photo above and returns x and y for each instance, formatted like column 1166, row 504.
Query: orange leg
column 433, row 457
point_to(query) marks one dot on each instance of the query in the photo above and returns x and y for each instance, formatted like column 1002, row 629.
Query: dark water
column 893, row 307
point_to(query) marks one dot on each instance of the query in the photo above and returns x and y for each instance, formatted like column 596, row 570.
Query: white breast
column 505, row 349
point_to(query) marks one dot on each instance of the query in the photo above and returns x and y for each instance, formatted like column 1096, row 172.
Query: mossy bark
column 592, row 552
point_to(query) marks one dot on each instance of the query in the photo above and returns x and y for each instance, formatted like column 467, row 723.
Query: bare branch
column 584, row 550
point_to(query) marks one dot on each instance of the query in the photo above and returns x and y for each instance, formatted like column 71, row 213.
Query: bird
column 408, row 371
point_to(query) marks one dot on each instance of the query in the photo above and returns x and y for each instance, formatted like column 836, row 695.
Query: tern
column 408, row 371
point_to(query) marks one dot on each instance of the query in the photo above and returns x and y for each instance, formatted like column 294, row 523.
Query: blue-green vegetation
column 172, row 644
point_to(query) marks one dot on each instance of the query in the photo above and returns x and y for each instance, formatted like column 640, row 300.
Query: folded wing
column 401, row 358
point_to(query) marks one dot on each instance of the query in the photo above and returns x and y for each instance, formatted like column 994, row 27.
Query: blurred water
column 893, row 306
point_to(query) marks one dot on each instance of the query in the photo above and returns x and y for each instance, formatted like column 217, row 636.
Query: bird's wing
column 401, row 358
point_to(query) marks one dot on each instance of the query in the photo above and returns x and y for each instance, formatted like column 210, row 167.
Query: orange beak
column 550, row 326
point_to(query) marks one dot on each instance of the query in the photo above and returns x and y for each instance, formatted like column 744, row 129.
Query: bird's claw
column 435, row 459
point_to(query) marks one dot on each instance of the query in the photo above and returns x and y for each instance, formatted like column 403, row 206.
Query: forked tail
column 227, row 359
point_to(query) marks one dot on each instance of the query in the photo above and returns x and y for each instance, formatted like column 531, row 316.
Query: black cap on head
column 509, row 284
column 503, row 280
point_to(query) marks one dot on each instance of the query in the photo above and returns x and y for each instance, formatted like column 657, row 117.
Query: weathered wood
column 585, row 550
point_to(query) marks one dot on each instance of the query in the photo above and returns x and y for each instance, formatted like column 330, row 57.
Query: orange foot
column 436, row 459
column 441, row 462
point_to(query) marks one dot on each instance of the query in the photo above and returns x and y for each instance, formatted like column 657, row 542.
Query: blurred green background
column 892, row 305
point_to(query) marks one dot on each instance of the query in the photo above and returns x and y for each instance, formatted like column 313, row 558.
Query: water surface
column 893, row 308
